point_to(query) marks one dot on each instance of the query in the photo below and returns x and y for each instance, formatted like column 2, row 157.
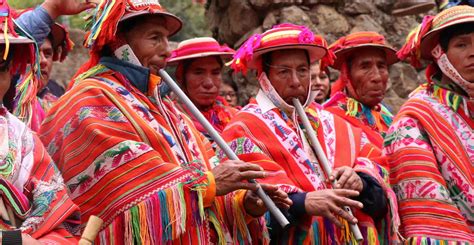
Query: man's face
column 289, row 74
column 46, row 63
column 461, row 55
column 369, row 75
column 319, row 83
column 203, row 79
column 149, row 42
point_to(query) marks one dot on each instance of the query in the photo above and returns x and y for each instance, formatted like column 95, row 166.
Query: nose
column 376, row 75
column 295, row 80
column 43, row 60
column 207, row 82
column 166, row 49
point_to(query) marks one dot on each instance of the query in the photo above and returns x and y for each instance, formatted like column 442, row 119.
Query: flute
column 322, row 158
column 223, row 145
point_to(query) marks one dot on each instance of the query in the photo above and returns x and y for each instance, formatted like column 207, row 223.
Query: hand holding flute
column 269, row 204
column 326, row 168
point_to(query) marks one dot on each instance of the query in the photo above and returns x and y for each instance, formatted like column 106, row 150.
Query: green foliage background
column 192, row 14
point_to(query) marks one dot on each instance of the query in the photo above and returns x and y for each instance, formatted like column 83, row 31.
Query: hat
column 109, row 13
column 424, row 38
column 198, row 48
column 8, row 37
column 280, row 37
column 447, row 18
column 346, row 45
column 60, row 42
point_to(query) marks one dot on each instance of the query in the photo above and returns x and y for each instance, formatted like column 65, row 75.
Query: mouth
column 470, row 67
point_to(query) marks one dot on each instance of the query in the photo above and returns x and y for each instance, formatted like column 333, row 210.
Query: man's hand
column 346, row 178
column 329, row 203
column 56, row 8
column 233, row 175
column 255, row 206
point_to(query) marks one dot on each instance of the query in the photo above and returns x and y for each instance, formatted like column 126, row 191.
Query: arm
column 37, row 23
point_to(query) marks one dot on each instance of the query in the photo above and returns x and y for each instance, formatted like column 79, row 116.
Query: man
column 34, row 206
column 199, row 63
column 320, row 84
column 133, row 159
column 34, row 97
column 363, row 58
column 267, row 132
column 430, row 143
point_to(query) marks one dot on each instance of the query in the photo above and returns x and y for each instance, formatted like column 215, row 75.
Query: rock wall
column 233, row 21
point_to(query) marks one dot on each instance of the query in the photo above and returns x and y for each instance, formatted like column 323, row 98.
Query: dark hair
column 447, row 34
column 227, row 78
column 267, row 60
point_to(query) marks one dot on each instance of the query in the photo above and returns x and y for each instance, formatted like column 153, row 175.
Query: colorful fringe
column 25, row 98
column 374, row 119
column 161, row 218
column 431, row 241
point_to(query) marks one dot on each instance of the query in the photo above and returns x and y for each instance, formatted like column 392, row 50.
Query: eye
column 460, row 45
column 303, row 69
column 284, row 72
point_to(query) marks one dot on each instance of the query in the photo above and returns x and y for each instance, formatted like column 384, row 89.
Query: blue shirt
column 36, row 23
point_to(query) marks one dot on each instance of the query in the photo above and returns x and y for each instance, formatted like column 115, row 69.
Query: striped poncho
column 260, row 133
column 140, row 165
column 32, row 187
column 373, row 121
column 431, row 153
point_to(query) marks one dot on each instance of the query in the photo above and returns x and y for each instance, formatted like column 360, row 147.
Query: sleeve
column 373, row 197
column 36, row 23
column 246, row 148
column 53, row 215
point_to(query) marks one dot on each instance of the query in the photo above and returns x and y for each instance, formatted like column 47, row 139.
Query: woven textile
column 373, row 121
column 32, row 186
column 140, row 165
column 430, row 147
column 271, row 139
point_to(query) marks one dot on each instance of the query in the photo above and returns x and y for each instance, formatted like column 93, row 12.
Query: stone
column 260, row 4
column 364, row 22
column 247, row 35
column 356, row 7
column 329, row 20
column 403, row 79
column 232, row 27
column 311, row 2
column 270, row 20
column 295, row 15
